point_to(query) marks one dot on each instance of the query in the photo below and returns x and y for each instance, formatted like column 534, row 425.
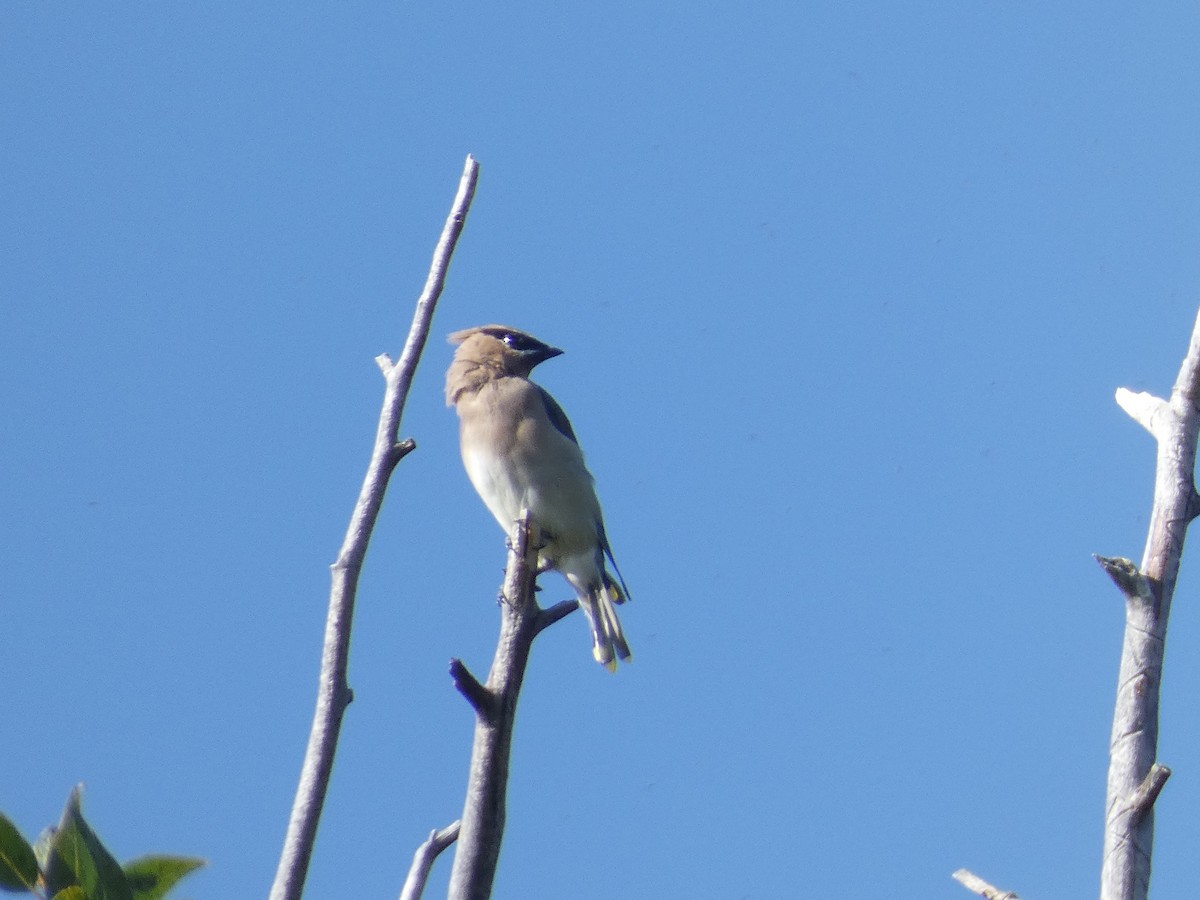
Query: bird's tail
column 608, row 640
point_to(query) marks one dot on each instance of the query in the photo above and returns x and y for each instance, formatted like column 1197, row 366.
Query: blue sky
column 845, row 290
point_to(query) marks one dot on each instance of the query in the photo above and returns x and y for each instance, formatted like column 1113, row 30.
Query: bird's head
column 504, row 349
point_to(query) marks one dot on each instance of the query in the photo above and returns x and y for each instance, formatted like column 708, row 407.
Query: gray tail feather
column 608, row 638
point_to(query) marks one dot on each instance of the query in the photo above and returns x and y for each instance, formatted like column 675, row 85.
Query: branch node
column 977, row 885
column 424, row 857
column 1143, row 408
column 547, row 617
column 1193, row 504
column 402, row 448
column 520, row 573
column 1147, row 793
column 468, row 685
column 385, row 364
column 1127, row 577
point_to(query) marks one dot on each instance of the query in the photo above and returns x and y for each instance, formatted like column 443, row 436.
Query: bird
column 520, row 452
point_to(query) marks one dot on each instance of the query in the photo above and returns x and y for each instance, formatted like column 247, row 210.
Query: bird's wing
column 608, row 552
column 557, row 417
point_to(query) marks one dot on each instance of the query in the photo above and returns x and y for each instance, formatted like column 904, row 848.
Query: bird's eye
column 516, row 341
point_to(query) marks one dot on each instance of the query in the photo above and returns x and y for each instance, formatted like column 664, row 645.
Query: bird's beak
column 547, row 352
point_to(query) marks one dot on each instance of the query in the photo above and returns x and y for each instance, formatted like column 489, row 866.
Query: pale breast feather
column 492, row 479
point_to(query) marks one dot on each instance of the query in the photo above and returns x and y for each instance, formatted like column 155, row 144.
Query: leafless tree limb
column 333, row 690
column 423, row 859
column 547, row 617
column 1134, row 779
column 468, row 685
column 973, row 882
column 495, row 705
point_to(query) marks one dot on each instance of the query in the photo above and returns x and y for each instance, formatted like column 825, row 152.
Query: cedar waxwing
column 521, row 453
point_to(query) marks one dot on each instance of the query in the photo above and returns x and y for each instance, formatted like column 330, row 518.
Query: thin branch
column 1143, row 798
column 521, row 620
column 973, row 882
column 547, row 617
column 468, row 685
column 1136, row 587
column 1133, row 784
column 1143, row 408
column 423, row 859
column 333, row 691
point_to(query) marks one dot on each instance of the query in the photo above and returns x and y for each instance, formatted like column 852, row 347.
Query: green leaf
column 152, row 877
column 41, row 847
column 78, row 858
column 75, row 892
column 18, row 865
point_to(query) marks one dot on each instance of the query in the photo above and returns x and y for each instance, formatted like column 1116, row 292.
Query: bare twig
column 468, row 685
column 521, row 620
column 548, row 617
column 1143, row 798
column 973, row 882
column 423, row 859
column 333, row 691
column 1133, row 781
column 1136, row 587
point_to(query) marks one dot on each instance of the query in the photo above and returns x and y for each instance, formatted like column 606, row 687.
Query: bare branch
column 468, row 685
column 1143, row 798
column 1143, row 408
column 974, row 883
column 548, row 617
column 521, row 621
column 1136, row 587
column 333, row 692
column 1133, row 783
column 423, row 859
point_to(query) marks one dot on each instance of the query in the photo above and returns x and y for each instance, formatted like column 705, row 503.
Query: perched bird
column 521, row 453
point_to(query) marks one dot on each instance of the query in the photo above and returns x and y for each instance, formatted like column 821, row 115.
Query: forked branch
column 333, row 690
column 1134, row 777
column 495, row 705
column 423, row 859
